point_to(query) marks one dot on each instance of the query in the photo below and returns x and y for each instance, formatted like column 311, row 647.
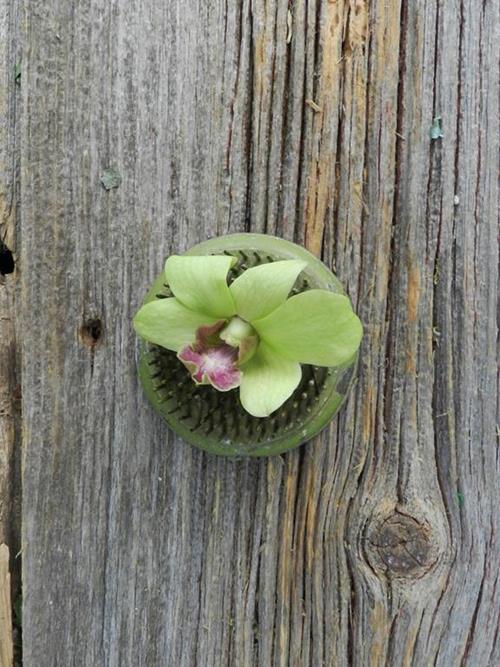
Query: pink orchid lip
column 215, row 366
column 211, row 361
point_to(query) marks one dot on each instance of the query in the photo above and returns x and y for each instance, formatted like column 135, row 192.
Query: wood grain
column 6, row 647
column 10, row 441
column 378, row 542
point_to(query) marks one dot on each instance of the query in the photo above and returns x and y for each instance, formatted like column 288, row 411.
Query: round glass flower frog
column 248, row 345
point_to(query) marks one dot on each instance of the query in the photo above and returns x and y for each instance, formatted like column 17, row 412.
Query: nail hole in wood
column 7, row 263
column 91, row 332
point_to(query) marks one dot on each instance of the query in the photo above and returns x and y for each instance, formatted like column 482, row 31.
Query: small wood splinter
column 315, row 107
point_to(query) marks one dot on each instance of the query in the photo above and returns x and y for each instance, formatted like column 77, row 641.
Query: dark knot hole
column 92, row 331
column 7, row 263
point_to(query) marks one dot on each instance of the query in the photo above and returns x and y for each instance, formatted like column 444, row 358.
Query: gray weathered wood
column 10, row 441
column 6, row 645
column 378, row 543
column 10, row 458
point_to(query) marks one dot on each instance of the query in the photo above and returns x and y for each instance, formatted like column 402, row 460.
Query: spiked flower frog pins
column 246, row 342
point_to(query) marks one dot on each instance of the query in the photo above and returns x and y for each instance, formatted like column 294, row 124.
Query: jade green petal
column 267, row 381
column 168, row 323
column 200, row 283
column 315, row 327
column 261, row 289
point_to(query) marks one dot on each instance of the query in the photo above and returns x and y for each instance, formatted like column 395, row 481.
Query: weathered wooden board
column 376, row 544
column 10, row 455
column 6, row 644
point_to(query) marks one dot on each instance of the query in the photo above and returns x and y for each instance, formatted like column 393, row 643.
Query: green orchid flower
column 248, row 334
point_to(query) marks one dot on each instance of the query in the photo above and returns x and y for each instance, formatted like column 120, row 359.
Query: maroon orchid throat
column 218, row 351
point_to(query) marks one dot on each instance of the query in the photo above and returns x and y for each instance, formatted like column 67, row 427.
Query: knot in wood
column 402, row 546
column 91, row 332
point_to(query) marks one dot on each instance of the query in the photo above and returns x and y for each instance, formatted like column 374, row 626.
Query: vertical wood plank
column 10, row 440
column 6, row 646
column 373, row 544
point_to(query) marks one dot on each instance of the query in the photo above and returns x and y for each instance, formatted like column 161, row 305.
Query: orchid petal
column 168, row 323
column 268, row 380
column 200, row 283
column 260, row 290
column 314, row 327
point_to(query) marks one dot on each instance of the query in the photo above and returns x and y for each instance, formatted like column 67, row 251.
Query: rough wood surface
column 6, row 646
column 378, row 542
column 10, row 458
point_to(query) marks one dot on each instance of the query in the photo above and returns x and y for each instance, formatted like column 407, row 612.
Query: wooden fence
column 366, row 131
